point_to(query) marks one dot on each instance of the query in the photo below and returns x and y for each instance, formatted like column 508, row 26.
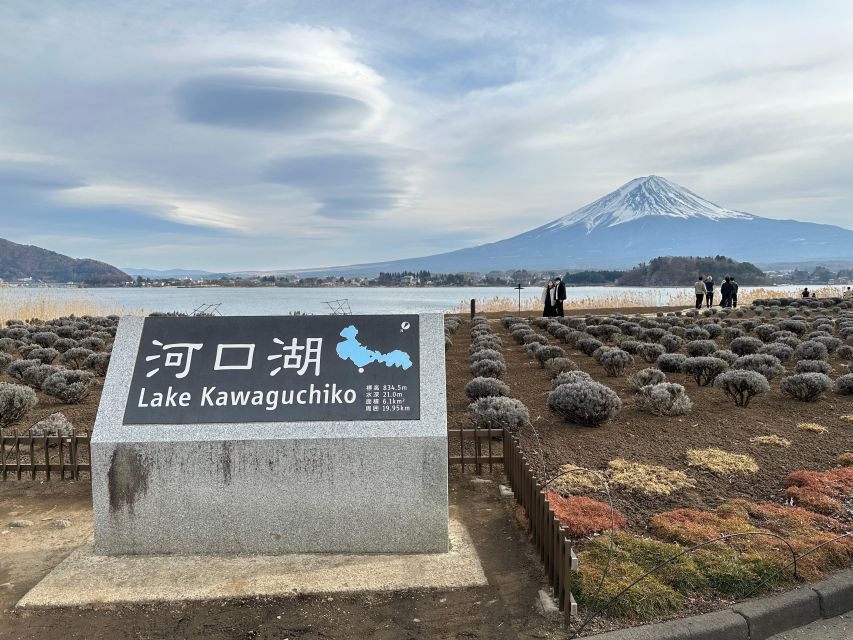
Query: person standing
column 726, row 293
column 699, row 288
column 805, row 293
column 735, row 287
column 547, row 300
column 709, row 291
column 559, row 296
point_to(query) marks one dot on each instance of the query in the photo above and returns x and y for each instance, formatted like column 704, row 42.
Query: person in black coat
column 735, row 287
column 560, row 296
column 548, row 300
column 709, row 291
column 726, row 293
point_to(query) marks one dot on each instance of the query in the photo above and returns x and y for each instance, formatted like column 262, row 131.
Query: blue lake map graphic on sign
column 361, row 356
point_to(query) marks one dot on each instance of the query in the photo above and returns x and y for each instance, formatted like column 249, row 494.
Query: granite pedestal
column 364, row 486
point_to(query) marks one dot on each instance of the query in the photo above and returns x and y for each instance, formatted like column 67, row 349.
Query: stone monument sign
column 268, row 434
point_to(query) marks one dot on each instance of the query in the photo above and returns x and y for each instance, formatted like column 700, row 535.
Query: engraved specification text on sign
column 276, row 369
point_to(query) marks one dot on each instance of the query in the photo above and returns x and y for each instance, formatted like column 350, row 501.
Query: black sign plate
column 276, row 369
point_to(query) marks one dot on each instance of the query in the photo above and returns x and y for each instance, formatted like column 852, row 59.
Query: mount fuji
column 644, row 218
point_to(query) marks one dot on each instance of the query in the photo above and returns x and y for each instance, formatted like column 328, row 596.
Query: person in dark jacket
column 735, row 287
column 559, row 296
column 709, row 291
column 726, row 293
column 806, row 293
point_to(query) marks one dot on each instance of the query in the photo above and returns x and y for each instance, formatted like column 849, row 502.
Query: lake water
column 283, row 301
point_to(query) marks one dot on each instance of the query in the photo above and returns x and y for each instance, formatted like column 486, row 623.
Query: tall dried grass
column 44, row 307
column 678, row 298
column 616, row 300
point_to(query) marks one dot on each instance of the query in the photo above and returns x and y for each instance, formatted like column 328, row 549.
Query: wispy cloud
column 285, row 134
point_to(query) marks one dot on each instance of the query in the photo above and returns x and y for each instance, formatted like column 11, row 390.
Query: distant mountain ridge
column 20, row 261
column 642, row 219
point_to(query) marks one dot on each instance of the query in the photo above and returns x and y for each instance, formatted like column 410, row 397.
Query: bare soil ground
column 504, row 609
column 714, row 422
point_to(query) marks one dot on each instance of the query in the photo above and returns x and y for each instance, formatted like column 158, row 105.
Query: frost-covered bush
column 45, row 355
column 651, row 352
column 518, row 334
column 725, row 354
column 811, row 350
column 44, row 338
column 745, row 345
column 5, row 360
column 98, row 362
column 15, row 401
column 813, row 366
column 696, row 348
column 845, row 352
column 646, row 377
column 483, row 354
column 75, row 357
column 730, row 333
column 18, row 368
column 587, row 403
column 696, row 333
column 652, row 335
column 489, row 341
column 704, row 369
column 93, row 343
column 534, row 338
column 778, row 350
column 17, row 333
column 64, row 344
column 765, row 331
column 671, row 362
column 556, row 366
column 829, row 342
column 532, row 348
column 488, row 369
column 742, row 385
column 806, row 387
column 498, row 412
column 570, row 377
column 664, row 399
column 765, row 364
column 547, row 352
column 588, row 345
column 844, row 384
column 603, row 331
column 794, row 326
column 68, row 385
column 615, row 361
column 631, row 346
column 7, row 345
column 671, row 343
column 484, row 387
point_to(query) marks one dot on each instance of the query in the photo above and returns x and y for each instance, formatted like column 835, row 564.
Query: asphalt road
column 840, row 628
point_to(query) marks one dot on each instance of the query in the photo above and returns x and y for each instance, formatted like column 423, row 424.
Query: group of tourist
column 704, row 289
column 553, row 296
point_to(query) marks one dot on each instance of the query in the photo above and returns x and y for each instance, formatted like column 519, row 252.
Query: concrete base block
column 719, row 624
column 85, row 579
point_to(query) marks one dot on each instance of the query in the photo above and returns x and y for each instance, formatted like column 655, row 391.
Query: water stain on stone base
column 127, row 477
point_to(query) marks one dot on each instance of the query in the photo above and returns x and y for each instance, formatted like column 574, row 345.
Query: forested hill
column 19, row 261
column 683, row 270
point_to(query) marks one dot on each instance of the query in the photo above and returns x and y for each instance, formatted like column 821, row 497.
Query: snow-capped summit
column 646, row 196
column 644, row 218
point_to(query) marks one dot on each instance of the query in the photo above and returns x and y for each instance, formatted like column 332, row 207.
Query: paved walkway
column 840, row 628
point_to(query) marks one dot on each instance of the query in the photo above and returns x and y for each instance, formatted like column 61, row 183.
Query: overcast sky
column 277, row 134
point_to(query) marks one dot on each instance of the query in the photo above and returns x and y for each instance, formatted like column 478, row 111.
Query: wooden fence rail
column 55, row 457
column 549, row 537
column 485, row 453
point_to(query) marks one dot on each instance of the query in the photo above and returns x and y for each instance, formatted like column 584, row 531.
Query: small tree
column 587, row 403
column 806, row 387
column 704, row 369
column 15, row 401
column 742, row 385
column 664, row 399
